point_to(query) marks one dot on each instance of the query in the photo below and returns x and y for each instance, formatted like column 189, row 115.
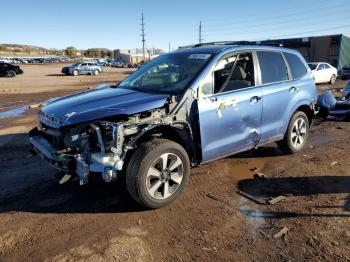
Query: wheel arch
column 180, row 133
column 304, row 106
column 307, row 109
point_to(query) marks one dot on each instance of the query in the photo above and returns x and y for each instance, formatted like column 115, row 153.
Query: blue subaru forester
column 182, row 109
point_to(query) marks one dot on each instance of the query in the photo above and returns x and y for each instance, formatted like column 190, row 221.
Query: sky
column 115, row 24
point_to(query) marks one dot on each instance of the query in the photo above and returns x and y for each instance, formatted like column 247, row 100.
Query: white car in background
column 323, row 73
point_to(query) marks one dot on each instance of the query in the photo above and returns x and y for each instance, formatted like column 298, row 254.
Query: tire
column 297, row 134
column 11, row 73
column 75, row 72
column 333, row 79
column 96, row 72
column 148, row 182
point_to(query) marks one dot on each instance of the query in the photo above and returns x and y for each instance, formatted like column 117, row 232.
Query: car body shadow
column 297, row 186
column 51, row 197
column 56, row 75
column 28, row 184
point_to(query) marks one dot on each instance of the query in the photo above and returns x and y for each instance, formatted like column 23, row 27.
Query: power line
column 263, row 28
column 143, row 37
column 276, row 20
column 273, row 13
column 311, row 32
column 304, row 33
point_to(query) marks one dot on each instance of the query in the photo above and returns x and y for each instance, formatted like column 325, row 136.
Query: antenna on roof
column 200, row 39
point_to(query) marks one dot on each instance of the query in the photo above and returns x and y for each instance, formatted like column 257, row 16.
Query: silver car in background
column 82, row 68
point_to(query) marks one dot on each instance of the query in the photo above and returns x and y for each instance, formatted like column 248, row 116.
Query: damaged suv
column 180, row 110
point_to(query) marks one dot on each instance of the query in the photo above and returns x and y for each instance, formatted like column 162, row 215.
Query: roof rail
column 216, row 43
column 238, row 43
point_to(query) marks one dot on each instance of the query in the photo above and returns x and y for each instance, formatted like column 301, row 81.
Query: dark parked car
column 9, row 70
column 345, row 72
column 182, row 109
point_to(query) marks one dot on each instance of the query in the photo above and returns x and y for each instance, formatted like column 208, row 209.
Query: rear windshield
column 170, row 73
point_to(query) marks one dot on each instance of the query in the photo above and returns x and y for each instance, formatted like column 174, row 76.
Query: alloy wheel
column 164, row 176
column 298, row 133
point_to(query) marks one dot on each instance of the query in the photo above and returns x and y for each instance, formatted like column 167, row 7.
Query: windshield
column 76, row 64
column 169, row 73
column 312, row 66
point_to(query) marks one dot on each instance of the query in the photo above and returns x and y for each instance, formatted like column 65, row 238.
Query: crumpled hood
column 99, row 103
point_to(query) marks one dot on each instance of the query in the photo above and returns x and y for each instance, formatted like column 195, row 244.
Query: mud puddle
column 16, row 111
column 240, row 169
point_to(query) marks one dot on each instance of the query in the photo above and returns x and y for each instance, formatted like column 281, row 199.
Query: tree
column 71, row 52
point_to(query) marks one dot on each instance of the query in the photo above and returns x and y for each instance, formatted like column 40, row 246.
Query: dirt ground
column 41, row 220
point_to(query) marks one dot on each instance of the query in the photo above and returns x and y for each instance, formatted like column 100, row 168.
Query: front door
column 83, row 68
column 229, row 107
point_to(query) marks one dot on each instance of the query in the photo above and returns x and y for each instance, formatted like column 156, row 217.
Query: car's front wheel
column 333, row 79
column 157, row 173
column 75, row 72
column 11, row 73
column 296, row 135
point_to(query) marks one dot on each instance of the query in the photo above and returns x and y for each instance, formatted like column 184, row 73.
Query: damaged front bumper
column 107, row 164
column 48, row 152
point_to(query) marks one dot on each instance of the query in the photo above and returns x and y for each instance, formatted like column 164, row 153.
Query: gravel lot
column 42, row 220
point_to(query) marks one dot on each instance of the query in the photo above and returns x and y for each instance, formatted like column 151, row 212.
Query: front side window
column 296, row 66
column 313, row 66
column 232, row 72
column 272, row 66
column 320, row 67
column 170, row 73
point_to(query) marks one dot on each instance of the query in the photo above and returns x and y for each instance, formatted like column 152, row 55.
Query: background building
column 133, row 56
column 333, row 49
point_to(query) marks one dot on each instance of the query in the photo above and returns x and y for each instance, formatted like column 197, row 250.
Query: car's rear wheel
column 96, row 72
column 296, row 135
column 157, row 173
column 333, row 79
column 11, row 73
column 75, row 72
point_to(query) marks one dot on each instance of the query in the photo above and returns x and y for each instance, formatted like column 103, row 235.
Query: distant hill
column 26, row 50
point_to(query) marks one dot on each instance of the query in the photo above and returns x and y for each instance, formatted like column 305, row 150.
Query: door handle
column 293, row 89
column 255, row 99
column 213, row 99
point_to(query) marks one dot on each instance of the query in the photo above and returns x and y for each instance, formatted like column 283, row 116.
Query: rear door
column 229, row 107
column 320, row 74
column 328, row 72
column 278, row 91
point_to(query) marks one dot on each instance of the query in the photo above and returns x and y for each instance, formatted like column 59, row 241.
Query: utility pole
column 169, row 46
column 200, row 39
column 143, row 36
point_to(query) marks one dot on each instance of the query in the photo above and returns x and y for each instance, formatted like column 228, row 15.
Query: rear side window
column 272, row 66
column 296, row 66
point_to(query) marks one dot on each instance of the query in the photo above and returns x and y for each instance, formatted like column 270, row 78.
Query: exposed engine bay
column 101, row 146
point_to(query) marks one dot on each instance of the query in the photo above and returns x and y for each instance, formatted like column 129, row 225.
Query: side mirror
column 103, row 86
